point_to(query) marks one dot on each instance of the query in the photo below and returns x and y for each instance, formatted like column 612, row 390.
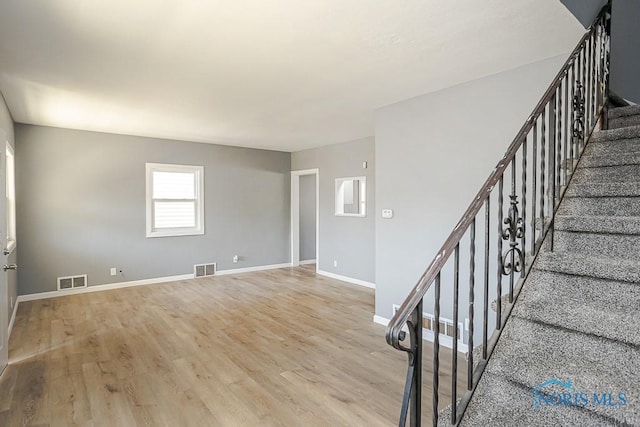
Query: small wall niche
column 351, row 196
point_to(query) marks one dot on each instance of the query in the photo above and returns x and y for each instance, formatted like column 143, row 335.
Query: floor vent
column 72, row 282
column 204, row 270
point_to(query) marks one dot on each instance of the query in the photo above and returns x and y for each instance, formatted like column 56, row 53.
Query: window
column 175, row 200
column 351, row 196
column 11, row 199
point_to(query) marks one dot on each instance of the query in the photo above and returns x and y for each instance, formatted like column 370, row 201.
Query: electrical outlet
column 235, row 259
column 335, row 262
column 113, row 271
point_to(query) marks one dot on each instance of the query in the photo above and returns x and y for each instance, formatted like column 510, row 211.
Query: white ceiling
column 275, row 74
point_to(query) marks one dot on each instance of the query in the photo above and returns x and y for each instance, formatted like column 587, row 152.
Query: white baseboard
column 106, row 287
column 347, row 279
column 109, row 286
column 250, row 269
column 427, row 335
column 308, row 261
column 13, row 317
column 380, row 320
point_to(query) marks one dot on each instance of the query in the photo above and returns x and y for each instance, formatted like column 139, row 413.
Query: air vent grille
column 204, row 270
column 72, row 282
column 446, row 325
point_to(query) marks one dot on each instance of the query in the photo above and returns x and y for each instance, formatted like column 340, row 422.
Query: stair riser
column 612, row 148
column 630, row 110
column 600, row 206
column 598, row 245
column 617, row 134
column 624, row 121
column 632, row 158
column 607, row 174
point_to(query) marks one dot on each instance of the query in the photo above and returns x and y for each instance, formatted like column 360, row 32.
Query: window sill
column 174, row 233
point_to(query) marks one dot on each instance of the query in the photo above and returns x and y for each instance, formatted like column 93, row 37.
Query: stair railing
column 541, row 160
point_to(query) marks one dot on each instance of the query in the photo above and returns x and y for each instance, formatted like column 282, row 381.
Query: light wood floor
column 280, row 347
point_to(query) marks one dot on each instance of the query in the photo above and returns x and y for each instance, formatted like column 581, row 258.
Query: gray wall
column 433, row 153
column 348, row 240
column 307, row 217
column 585, row 11
column 6, row 124
column 625, row 35
column 625, row 60
column 81, row 207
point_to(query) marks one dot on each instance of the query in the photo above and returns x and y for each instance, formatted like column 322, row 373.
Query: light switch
column 387, row 213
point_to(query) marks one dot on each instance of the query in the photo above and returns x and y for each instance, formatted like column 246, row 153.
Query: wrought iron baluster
column 592, row 81
column 485, row 309
column 565, row 124
column 523, row 242
column 472, row 280
column 578, row 113
column 559, row 144
column 512, row 260
column 454, row 356
column 436, row 350
column 412, row 397
column 543, row 171
column 552, row 165
column 573, row 114
column 499, row 283
column 534, row 184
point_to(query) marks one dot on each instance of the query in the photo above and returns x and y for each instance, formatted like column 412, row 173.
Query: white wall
column 433, row 153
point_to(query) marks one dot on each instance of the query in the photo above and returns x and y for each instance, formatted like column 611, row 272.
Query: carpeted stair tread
column 604, row 189
column 600, row 206
column 619, row 147
column 598, row 224
column 630, row 132
column 585, row 304
column 602, row 160
column 614, row 246
column 590, row 266
column 621, row 173
column 630, row 110
column 530, row 353
column 498, row 402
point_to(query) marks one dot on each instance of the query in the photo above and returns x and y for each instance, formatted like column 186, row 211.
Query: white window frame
column 198, row 171
column 10, row 169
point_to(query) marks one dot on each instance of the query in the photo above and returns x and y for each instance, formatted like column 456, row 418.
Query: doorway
column 302, row 183
column 4, row 286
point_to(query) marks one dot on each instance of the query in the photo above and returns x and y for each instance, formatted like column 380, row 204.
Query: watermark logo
column 558, row 393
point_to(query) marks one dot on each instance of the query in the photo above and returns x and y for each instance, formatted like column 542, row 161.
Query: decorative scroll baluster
column 578, row 114
column 513, row 258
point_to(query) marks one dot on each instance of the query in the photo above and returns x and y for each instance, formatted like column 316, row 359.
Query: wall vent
column 72, row 282
column 204, row 270
column 446, row 325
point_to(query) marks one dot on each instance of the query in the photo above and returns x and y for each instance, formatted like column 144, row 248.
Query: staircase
column 570, row 352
